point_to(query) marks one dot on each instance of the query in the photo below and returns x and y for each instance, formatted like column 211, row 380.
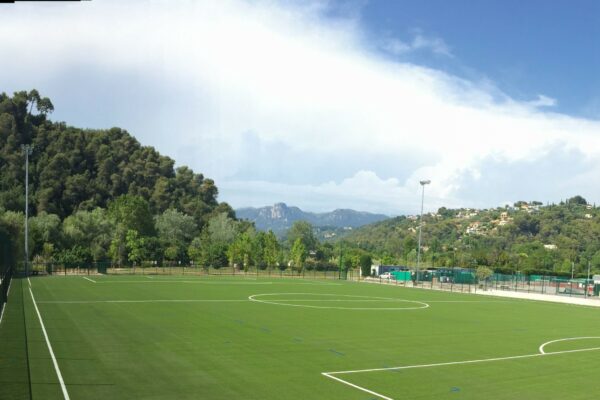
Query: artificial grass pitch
column 181, row 337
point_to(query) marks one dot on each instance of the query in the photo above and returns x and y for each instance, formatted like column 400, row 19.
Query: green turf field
column 180, row 337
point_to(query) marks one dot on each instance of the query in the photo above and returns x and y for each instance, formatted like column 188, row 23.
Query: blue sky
column 524, row 47
column 328, row 105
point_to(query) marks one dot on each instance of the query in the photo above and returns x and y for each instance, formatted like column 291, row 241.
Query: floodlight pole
column 423, row 183
column 27, row 149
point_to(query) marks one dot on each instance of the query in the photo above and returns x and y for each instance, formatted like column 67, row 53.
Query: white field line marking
column 149, row 277
column 29, row 281
column 356, row 386
column 2, row 313
column 540, row 354
column 344, row 300
column 60, row 378
column 91, row 280
column 197, row 281
column 143, row 301
column 281, row 302
column 464, row 362
column 470, row 301
column 4, row 307
column 541, row 349
column 382, row 300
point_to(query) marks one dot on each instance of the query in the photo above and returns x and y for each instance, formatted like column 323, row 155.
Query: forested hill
column 527, row 236
column 74, row 169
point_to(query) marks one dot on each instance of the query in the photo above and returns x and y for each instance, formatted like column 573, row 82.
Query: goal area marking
column 541, row 353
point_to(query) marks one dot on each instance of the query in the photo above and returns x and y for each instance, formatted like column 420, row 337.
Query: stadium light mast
column 27, row 150
column 423, row 183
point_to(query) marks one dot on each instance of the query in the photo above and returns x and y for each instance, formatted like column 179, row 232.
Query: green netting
column 401, row 275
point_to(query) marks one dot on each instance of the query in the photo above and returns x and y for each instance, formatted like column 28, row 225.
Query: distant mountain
column 280, row 217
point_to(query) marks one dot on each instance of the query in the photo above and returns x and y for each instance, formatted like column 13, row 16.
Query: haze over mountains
column 280, row 217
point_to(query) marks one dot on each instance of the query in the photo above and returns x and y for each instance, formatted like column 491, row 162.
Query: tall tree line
column 99, row 195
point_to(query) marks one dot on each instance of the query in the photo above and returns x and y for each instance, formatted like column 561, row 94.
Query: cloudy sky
column 329, row 104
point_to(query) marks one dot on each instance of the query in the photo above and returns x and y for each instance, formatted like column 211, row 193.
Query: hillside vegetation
column 100, row 196
column 525, row 237
column 95, row 194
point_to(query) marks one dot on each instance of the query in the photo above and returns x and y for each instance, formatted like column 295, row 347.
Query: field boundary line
column 144, row 301
column 327, row 374
column 194, row 281
column 56, row 367
column 2, row 313
column 5, row 303
column 89, row 279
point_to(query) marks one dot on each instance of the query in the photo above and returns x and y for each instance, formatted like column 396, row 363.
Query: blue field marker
column 337, row 353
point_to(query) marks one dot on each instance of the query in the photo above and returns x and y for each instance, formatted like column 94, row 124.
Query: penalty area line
column 355, row 386
column 86, row 278
column 540, row 354
column 56, row 368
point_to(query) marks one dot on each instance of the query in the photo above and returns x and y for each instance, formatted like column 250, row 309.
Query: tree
column 43, row 228
column 240, row 251
column 175, row 233
column 271, row 249
column 210, row 249
column 74, row 256
column 298, row 254
column 208, row 253
column 483, row 273
column 221, row 228
column 409, row 246
column 304, row 231
column 365, row 264
column 133, row 213
column 578, row 200
column 139, row 248
column 89, row 229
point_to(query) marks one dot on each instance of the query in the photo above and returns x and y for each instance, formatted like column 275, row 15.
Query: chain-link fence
column 465, row 280
column 155, row 268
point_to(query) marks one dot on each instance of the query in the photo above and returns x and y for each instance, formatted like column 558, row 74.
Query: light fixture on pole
column 423, row 183
column 27, row 150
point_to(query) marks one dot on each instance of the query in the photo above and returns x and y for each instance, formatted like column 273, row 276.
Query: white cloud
column 419, row 42
column 292, row 77
column 543, row 101
column 383, row 195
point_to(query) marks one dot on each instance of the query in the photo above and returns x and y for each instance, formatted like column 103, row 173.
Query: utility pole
column 27, row 149
column 423, row 183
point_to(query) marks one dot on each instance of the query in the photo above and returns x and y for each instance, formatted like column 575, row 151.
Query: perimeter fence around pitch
column 172, row 268
column 465, row 280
